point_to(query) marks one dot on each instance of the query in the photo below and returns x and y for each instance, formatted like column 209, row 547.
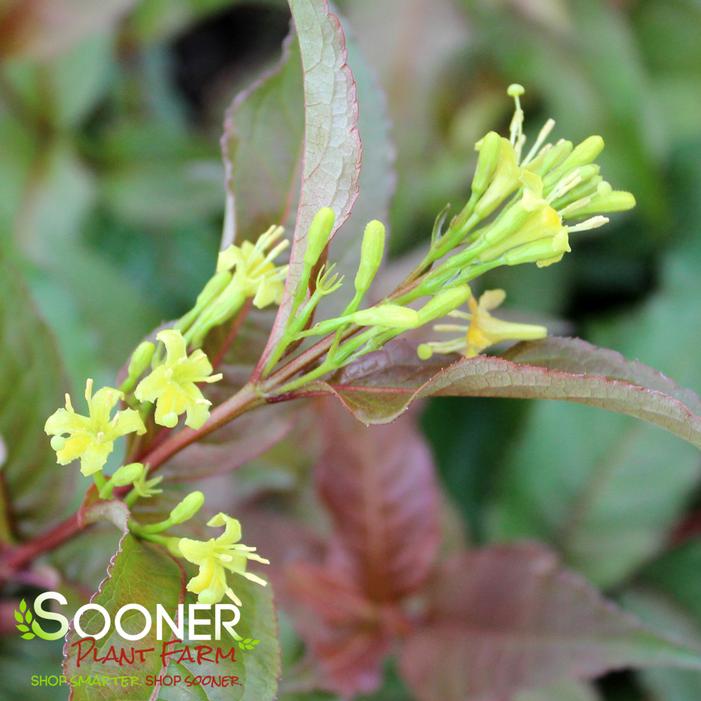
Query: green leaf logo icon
column 24, row 619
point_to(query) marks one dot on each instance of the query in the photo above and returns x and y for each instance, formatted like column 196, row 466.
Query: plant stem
column 244, row 400
column 20, row 556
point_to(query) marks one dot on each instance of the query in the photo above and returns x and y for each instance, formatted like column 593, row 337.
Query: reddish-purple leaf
column 379, row 486
column 343, row 630
column 32, row 383
column 262, row 149
column 380, row 387
column 332, row 148
column 509, row 618
column 233, row 445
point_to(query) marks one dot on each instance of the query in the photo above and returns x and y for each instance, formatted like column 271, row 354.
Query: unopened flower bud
column 551, row 158
column 371, row 252
column 318, row 235
column 585, row 152
column 187, row 508
column 488, row 148
column 542, row 252
column 505, row 180
column 140, row 359
column 388, row 315
column 582, row 156
column 127, row 474
column 444, row 303
column 614, row 201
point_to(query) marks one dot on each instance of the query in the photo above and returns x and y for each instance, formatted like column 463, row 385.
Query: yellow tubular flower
column 91, row 438
column 216, row 558
column 173, row 385
column 483, row 331
column 255, row 273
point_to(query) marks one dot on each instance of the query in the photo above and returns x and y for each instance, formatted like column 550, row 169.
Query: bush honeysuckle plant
column 377, row 580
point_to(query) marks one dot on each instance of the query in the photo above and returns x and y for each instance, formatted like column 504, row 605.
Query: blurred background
column 111, row 203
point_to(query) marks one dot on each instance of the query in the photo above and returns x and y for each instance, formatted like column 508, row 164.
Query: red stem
column 17, row 558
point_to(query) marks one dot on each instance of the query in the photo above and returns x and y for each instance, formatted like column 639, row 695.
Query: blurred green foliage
column 111, row 201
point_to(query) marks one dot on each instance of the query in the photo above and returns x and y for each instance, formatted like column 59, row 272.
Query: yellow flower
column 91, row 438
column 216, row 558
column 173, row 385
column 255, row 274
column 483, row 331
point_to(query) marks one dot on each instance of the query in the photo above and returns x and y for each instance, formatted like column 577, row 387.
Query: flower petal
column 127, row 421
column 196, row 551
column 176, row 346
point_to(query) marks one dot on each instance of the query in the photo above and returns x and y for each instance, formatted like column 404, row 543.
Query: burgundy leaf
column 233, row 445
column 379, row 486
column 509, row 618
column 332, row 148
column 380, row 387
column 343, row 630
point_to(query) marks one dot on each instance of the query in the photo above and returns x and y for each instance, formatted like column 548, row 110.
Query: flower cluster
column 171, row 385
column 245, row 272
column 522, row 209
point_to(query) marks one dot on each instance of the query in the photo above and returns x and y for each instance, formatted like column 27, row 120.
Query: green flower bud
column 318, row 235
column 221, row 309
column 551, row 158
column 392, row 316
column 140, row 359
column 187, row 508
column 584, row 153
column 614, row 201
column 542, row 252
column 488, row 147
column 127, row 474
column 444, row 303
column 371, row 252
column 584, row 189
column 505, row 180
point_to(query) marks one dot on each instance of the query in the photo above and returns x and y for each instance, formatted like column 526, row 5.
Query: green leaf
column 31, row 477
column 28, row 636
column 516, row 610
column 22, row 605
column 140, row 573
column 257, row 670
column 657, row 608
column 19, row 617
column 631, row 475
column 29, row 617
column 51, row 90
column 669, row 597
